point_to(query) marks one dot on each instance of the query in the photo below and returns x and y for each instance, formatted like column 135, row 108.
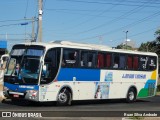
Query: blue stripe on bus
column 68, row 74
column 20, row 88
column 151, row 82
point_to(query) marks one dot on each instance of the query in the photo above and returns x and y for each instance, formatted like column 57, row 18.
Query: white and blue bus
column 64, row 71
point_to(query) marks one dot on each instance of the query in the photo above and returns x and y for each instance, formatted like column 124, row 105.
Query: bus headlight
column 32, row 94
column 5, row 88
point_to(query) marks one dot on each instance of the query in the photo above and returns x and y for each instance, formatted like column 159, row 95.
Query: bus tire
column 64, row 98
column 131, row 95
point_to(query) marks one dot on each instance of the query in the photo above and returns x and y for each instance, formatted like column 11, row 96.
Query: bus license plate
column 16, row 96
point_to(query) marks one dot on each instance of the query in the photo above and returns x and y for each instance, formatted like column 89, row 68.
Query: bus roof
column 69, row 44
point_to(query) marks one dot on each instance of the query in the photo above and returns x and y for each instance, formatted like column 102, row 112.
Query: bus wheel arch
column 131, row 94
column 64, row 96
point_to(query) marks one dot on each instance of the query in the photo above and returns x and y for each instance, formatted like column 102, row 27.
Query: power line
column 16, row 39
column 94, row 17
column 26, row 9
column 109, row 3
column 137, row 9
column 13, row 34
column 8, row 25
column 129, row 25
column 36, row 10
column 14, row 20
column 86, row 10
column 109, row 9
column 139, row 33
column 127, row 1
column 44, row 3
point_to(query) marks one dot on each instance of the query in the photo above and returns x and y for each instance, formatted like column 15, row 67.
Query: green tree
column 153, row 46
column 148, row 47
column 121, row 46
column 157, row 33
column 143, row 47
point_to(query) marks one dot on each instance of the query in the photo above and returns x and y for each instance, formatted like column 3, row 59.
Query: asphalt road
column 86, row 108
column 151, row 104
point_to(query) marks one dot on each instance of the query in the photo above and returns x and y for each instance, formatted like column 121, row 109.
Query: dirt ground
column 1, row 87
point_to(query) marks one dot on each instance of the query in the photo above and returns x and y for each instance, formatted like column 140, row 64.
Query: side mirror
column 44, row 70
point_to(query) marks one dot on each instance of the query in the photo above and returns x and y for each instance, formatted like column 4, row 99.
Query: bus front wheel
column 131, row 95
column 64, row 98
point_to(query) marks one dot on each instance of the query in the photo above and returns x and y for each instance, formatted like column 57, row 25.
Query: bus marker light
column 55, row 80
column 32, row 92
column 57, row 85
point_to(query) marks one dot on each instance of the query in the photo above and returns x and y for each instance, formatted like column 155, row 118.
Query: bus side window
column 116, row 61
column 100, row 62
column 88, row 59
column 143, row 60
column 70, row 58
column 129, row 62
column 84, row 56
column 152, row 63
column 122, row 63
column 91, row 59
column 108, row 60
column 135, row 62
column 50, row 66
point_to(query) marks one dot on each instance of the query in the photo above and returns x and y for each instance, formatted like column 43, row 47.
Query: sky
column 87, row 21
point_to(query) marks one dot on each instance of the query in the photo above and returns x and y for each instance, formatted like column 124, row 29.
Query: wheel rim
column 62, row 97
column 131, row 96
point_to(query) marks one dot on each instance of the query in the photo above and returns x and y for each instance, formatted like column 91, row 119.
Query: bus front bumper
column 30, row 95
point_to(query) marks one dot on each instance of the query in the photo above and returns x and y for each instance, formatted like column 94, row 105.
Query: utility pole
column 40, row 12
column 33, row 33
column 126, row 38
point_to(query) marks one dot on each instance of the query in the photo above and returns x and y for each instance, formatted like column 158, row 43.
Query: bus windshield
column 24, row 65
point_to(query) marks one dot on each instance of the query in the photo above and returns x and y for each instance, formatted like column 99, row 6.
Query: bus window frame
column 93, row 52
column 113, row 60
column 96, row 52
column 155, row 58
column 42, row 78
column 104, row 59
column 77, row 60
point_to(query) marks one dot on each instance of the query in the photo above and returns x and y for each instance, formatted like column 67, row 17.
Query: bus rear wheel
column 64, row 98
column 131, row 96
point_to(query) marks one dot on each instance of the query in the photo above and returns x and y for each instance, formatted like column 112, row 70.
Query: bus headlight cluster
column 5, row 88
column 32, row 94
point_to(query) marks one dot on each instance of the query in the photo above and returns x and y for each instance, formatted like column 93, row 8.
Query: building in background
column 129, row 42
